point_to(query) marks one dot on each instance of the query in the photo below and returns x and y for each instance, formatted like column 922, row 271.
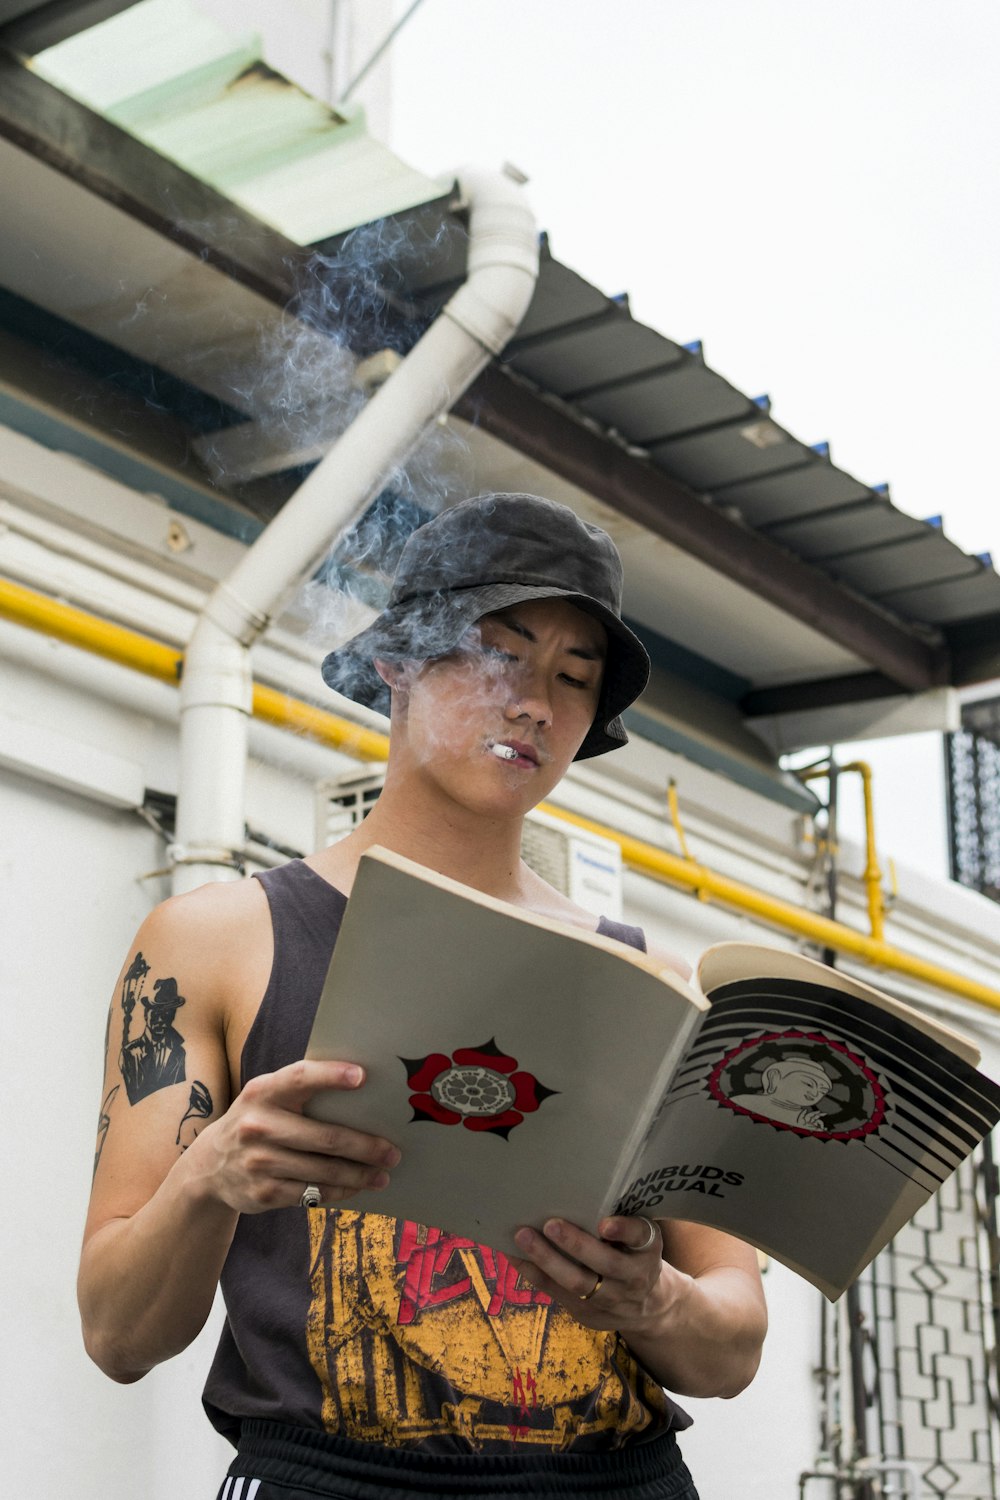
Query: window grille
column 973, row 773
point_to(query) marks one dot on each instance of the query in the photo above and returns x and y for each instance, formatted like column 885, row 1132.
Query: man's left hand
column 607, row 1281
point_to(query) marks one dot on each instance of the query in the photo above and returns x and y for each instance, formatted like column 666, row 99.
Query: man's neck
column 480, row 852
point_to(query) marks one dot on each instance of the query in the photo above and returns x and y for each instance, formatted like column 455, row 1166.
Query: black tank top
column 381, row 1330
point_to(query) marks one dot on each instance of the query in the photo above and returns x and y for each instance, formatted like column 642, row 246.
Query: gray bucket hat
column 483, row 555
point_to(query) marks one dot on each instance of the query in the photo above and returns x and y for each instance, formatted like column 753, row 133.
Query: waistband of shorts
column 320, row 1460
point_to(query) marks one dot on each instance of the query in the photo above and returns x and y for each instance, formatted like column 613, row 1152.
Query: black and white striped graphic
column 239, row 1489
column 937, row 1106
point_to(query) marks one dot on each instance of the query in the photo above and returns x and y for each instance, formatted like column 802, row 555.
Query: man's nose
column 529, row 698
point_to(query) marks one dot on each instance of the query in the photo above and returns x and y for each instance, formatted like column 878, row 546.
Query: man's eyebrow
column 586, row 653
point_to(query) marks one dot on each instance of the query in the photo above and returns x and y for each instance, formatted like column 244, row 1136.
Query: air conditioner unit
column 343, row 802
column 583, row 866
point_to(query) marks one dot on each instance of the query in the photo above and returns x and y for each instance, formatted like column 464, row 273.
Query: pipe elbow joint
column 216, row 670
column 503, row 259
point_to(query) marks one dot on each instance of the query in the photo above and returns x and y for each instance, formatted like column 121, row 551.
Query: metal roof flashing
column 207, row 100
column 936, row 711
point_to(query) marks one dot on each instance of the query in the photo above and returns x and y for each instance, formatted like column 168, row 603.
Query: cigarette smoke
column 290, row 388
column 350, row 305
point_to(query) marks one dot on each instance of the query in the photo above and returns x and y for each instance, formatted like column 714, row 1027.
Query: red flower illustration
column 478, row 1087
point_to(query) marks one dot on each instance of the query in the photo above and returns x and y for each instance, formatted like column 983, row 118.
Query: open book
column 527, row 1068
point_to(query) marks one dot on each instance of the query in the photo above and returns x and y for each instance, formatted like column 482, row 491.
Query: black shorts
column 276, row 1462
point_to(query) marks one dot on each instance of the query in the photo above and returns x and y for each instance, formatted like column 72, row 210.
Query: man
column 364, row 1355
column 156, row 1058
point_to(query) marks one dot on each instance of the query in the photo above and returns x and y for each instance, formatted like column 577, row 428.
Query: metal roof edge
column 55, row 432
column 782, row 787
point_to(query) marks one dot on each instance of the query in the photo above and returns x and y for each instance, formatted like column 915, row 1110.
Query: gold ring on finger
column 586, row 1296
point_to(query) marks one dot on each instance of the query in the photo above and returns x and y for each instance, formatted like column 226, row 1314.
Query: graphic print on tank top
column 415, row 1334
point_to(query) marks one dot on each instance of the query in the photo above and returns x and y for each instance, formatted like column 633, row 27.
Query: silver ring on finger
column 311, row 1196
column 637, row 1249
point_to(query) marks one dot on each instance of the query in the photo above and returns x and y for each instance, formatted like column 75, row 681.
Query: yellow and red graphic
column 425, row 1256
column 481, row 1088
column 525, row 1402
column 421, row 1338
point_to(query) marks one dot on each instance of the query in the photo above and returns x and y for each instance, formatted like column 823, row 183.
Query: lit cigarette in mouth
column 503, row 752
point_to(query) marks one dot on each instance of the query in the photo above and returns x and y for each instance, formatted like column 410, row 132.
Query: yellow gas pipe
column 154, row 659
column 143, row 654
column 873, row 875
column 675, row 870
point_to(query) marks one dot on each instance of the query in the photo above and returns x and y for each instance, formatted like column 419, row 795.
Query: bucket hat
column 483, row 555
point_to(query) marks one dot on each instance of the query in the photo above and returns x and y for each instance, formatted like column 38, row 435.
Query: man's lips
column 524, row 753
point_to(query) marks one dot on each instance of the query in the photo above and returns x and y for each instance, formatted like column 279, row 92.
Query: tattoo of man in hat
column 156, row 1058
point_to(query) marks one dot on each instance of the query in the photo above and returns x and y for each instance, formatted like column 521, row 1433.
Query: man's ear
column 394, row 674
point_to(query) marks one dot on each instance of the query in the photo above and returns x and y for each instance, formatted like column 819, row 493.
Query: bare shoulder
column 548, row 902
column 210, row 928
column 186, row 994
column 670, row 960
column 215, row 942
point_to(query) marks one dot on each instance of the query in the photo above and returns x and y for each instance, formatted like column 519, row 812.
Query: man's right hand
column 263, row 1151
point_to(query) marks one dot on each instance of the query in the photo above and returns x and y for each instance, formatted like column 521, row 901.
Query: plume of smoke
column 352, row 304
column 278, row 387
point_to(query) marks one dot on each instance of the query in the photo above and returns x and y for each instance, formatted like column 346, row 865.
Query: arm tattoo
column 107, row 1038
column 156, row 1058
column 199, row 1108
column 102, row 1124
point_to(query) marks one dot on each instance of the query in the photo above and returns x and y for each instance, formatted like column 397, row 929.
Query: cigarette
column 503, row 752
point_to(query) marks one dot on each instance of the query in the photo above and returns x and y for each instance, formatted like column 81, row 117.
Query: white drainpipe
column 216, row 687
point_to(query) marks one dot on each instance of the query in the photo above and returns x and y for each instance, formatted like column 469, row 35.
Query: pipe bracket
column 235, row 618
column 205, row 854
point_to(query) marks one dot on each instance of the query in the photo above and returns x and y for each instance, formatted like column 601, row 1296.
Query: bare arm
column 690, row 1305
column 177, row 1161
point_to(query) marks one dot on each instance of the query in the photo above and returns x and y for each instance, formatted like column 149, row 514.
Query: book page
column 811, row 1123
column 514, row 1061
column 725, row 963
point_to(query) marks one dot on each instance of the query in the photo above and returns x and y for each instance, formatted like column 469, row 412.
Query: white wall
column 321, row 44
column 756, row 1446
column 71, row 900
column 72, row 893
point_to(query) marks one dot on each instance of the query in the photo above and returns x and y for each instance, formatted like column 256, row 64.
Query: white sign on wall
column 595, row 876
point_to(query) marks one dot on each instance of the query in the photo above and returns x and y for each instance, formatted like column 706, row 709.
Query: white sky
column 809, row 186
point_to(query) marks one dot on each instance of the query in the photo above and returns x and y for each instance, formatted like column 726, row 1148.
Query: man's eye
column 576, row 682
column 498, row 654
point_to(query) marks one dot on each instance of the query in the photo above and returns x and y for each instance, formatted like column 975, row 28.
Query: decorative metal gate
column 910, row 1361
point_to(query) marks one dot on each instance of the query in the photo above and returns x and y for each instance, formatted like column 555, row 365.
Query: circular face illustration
column 800, row 1081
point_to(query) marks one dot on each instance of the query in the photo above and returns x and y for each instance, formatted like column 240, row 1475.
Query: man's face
column 804, row 1086
column 159, row 1019
column 525, row 680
